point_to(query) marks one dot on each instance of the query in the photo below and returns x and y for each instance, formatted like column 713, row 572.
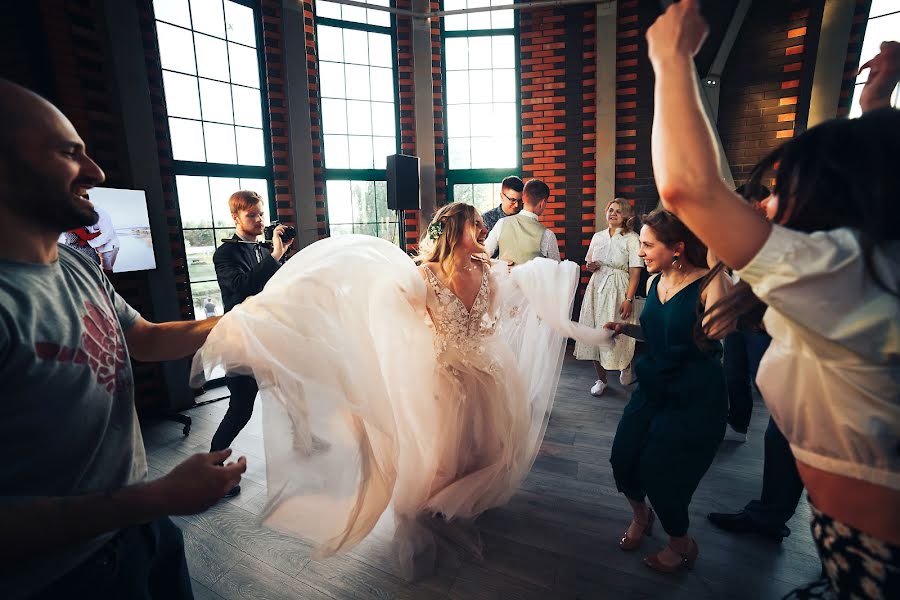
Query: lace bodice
column 453, row 324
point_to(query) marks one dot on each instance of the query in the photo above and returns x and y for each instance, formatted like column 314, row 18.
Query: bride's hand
column 616, row 328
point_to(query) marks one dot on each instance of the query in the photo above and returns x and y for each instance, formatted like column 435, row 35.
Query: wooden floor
column 555, row 539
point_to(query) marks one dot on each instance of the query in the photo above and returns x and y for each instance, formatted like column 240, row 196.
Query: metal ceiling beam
column 522, row 6
column 713, row 79
column 462, row 11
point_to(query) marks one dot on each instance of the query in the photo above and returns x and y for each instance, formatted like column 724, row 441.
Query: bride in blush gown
column 386, row 385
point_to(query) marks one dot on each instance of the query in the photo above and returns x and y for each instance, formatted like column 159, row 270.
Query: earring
column 675, row 262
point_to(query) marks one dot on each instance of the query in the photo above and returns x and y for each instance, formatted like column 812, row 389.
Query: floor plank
column 556, row 538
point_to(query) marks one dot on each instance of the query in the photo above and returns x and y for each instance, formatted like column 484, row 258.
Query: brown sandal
column 633, row 543
column 687, row 559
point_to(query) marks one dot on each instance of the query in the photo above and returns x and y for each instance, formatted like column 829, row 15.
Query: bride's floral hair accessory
column 435, row 230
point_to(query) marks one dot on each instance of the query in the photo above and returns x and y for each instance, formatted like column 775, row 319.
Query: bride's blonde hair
column 444, row 233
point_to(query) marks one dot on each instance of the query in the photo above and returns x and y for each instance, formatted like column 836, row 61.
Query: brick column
column 440, row 130
column 542, row 38
column 407, row 93
column 278, row 113
column 315, row 115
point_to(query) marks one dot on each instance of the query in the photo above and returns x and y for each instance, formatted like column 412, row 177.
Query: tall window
column 481, row 83
column 206, row 220
column 209, row 51
column 883, row 25
column 358, row 90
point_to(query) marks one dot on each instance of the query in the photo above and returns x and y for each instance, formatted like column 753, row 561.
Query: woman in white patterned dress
column 613, row 258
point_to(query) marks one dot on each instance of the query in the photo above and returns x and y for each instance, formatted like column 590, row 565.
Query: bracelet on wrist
column 627, row 299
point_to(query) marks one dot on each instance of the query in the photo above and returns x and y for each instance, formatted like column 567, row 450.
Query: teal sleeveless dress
column 671, row 428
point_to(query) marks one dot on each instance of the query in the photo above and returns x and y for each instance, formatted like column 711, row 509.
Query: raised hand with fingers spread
column 884, row 73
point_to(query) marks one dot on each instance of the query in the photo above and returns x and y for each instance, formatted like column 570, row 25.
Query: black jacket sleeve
column 238, row 278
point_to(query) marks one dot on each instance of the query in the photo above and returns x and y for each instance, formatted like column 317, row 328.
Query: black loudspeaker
column 402, row 182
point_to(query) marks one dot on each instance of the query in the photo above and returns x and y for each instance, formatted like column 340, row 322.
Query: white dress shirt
column 549, row 249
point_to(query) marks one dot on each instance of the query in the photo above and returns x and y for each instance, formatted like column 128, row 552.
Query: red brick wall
column 558, row 73
column 761, row 84
column 588, row 120
column 760, row 98
column 312, row 69
column 634, row 108
column 406, row 82
column 278, row 114
column 542, row 38
column 437, row 83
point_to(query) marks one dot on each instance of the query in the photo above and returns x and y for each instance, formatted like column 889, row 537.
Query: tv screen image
column 120, row 241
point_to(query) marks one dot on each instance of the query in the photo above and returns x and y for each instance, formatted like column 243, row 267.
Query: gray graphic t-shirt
column 67, row 420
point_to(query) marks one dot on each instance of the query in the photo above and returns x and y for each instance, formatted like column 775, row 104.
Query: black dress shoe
column 741, row 522
column 233, row 492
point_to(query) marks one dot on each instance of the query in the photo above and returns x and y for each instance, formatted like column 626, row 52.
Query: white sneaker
column 731, row 435
column 626, row 376
column 598, row 388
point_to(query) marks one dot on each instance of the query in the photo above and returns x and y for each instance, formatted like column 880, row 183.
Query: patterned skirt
column 856, row 565
column 602, row 301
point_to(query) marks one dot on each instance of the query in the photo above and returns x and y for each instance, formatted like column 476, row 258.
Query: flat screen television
column 120, row 241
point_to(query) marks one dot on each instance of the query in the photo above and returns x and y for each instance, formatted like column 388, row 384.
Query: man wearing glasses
column 510, row 201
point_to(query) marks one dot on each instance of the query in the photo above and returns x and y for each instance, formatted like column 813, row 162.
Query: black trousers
column 743, row 351
column 240, row 408
column 782, row 486
column 143, row 562
column 662, row 453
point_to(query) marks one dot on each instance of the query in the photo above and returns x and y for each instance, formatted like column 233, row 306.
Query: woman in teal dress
column 670, row 430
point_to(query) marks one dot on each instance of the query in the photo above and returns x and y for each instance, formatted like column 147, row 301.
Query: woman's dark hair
column 670, row 230
column 842, row 173
column 753, row 192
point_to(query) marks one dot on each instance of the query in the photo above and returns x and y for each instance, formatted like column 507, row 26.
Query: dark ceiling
column 718, row 14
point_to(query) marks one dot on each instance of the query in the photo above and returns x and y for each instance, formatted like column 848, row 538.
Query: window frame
column 234, row 171
column 350, row 174
column 485, row 175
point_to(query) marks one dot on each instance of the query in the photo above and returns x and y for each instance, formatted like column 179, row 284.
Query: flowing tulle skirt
column 362, row 411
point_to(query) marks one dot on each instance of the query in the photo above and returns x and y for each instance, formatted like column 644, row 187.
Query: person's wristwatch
column 629, row 299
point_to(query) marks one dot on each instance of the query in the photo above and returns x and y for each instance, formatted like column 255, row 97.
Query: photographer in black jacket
column 242, row 270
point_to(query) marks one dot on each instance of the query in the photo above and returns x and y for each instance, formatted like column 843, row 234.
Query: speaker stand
column 401, row 228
